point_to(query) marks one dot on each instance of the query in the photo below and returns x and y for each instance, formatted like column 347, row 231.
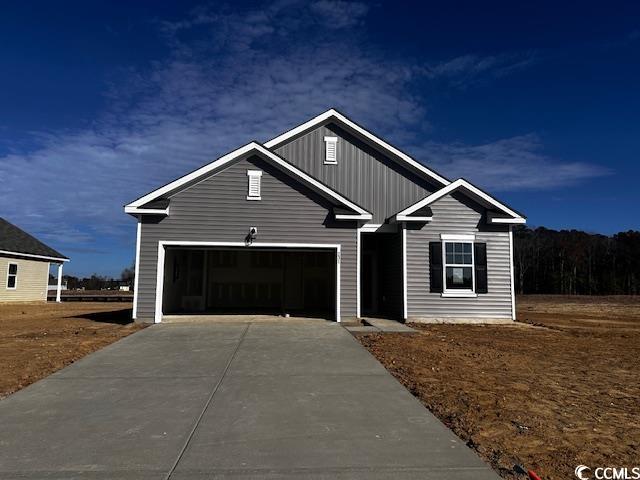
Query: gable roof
column 512, row 216
column 15, row 241
column 332, row 115
column 138, row 206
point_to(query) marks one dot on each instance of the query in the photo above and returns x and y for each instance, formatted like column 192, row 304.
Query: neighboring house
column 326, row 219
column 24, row 265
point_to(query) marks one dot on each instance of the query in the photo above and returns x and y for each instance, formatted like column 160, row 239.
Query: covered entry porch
column 259, row 279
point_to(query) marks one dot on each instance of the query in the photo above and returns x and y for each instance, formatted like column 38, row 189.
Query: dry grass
column 559, row 390
column 36, row 339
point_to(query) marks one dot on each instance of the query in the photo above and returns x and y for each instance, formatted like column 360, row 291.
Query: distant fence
column 92, row 297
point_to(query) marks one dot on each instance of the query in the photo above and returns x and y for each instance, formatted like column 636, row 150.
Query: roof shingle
column 15, row 240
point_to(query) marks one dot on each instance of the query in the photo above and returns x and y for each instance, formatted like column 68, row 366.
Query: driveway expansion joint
column 208, row 402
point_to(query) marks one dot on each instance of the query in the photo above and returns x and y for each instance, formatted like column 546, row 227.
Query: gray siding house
column 326, row 220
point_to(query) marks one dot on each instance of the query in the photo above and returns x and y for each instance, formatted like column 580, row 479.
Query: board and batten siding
column 33, row 278
column 216, row 209
column 455, row 214
column 362, row 174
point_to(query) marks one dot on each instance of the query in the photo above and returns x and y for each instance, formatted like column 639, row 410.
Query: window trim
column 251, row 174
column 456, row 292
column 327, row 141
column 15, row 275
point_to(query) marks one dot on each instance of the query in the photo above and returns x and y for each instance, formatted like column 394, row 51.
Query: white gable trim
column 334, row 114
column 462, row 183
column 405, row 218
column 149, row 211
column 246, row 149
column 31, row 255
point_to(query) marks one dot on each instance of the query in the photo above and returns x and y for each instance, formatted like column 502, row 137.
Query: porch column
column 59, row 289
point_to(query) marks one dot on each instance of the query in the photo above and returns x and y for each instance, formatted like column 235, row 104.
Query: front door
column 369, row 283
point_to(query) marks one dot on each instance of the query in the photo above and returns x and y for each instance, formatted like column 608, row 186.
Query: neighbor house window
column 12, row 276
column 331, row 150
column 254, row 191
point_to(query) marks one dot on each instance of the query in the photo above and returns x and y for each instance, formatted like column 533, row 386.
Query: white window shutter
column 254, row 190
column 331, row 150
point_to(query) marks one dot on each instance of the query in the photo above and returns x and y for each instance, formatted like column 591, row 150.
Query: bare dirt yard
column 36, row 339
column 559, row 389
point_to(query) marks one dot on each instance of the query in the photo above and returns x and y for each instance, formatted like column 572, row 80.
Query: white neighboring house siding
column 453, row 216
column 32, row 281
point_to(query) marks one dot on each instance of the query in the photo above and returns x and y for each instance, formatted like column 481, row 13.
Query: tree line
column 573, row 262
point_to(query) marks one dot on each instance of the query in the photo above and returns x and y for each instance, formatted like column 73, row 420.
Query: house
column 24, row 265
column 325, row 219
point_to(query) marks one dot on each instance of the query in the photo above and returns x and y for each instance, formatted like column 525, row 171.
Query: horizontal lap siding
column 454, row 215
column 33, row 277
column 363, row 175
column 216, row 210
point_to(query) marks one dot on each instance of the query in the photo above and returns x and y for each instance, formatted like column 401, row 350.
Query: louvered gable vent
column 254, row 192
column 331, row 150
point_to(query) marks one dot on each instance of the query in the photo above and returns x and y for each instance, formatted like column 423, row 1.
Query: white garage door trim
column 179, row 243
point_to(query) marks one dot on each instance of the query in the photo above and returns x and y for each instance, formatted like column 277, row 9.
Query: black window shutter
column 435, row 266
column 480, row 257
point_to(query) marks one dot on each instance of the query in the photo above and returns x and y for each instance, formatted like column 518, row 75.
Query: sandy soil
column 36, row 339
column 558, row 390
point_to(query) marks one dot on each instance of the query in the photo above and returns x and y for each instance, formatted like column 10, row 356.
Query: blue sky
column 102, row 102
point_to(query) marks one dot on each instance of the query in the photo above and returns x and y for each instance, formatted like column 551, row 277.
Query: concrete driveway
column 196, row 401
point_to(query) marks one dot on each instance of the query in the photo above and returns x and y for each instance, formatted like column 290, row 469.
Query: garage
column 250, row 280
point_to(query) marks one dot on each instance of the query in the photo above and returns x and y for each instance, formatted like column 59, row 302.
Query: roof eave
column 146, row 211
column 33, row 255
column 461, row 183
column 134, row 208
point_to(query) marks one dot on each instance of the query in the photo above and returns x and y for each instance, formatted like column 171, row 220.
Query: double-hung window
column 12, row 276
column 458, row 263
column 458, row 266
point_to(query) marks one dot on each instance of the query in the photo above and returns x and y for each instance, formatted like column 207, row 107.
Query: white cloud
column 339, row 14
column 509, row 164
column 233, row 77
column 467, row 70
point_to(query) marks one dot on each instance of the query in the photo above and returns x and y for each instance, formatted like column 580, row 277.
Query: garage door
column 300, row 282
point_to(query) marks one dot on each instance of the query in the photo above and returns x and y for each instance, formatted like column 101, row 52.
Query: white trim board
column 513, row 286
column 30, row 255
column 462, row 183
column 186, row 243
column 358, row 250
column 379, row 227
column 137, row 269
column 339, row 118
column 148, row 211
column 405, row 302
column 405, row 218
